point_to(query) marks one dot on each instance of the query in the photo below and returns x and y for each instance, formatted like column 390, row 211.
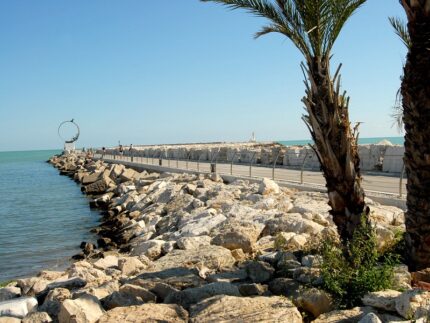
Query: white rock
column 7, row 293
column 9, row 319
column 370, row 318
column 200, row 224
column 151, row 248
column 106, row 262
column 268, row 186
column 130, row 265
column 413, row 304
column 312, row 204
column 385, row 299
column 385, row 237
column 85, row 309
column 18, row 307
column 189, row 243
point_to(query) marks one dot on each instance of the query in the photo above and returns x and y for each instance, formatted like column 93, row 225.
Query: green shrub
column 351, row 271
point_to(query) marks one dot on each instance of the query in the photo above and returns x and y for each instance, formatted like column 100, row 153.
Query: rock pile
column 191, row 248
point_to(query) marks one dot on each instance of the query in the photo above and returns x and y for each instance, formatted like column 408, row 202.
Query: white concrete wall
column 372, row 157
column 393, row 159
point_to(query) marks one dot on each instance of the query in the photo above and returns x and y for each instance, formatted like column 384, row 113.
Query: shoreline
column 178, row 247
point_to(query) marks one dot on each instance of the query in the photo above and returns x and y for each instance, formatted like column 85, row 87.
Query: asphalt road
column 372, row 182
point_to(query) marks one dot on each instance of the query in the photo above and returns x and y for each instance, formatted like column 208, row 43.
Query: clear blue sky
column 168, row 71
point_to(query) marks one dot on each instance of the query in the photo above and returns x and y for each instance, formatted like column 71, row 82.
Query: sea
column 361, row 141
column 43, row 216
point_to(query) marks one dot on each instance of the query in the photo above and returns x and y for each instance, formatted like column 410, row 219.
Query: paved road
column 371, row 182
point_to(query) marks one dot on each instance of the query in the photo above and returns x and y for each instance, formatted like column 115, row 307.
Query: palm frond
column 312, row 25
column 401, row 30
column 397, row 114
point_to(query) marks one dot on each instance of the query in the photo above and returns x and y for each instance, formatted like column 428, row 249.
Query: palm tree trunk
column 416, row 117
column 336, row 145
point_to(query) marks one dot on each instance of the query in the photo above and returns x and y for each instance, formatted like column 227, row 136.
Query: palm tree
column 313, row 26
column 402, row 31
column 415, row 91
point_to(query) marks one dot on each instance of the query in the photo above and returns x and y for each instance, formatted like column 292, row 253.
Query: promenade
column 374, row 183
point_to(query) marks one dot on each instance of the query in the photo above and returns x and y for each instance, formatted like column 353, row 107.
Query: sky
column 176, row 71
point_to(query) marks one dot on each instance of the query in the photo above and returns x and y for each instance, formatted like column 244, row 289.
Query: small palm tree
column 313, row 26
column 415, row 91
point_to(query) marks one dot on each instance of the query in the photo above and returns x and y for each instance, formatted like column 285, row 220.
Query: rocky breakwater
column 189, row 248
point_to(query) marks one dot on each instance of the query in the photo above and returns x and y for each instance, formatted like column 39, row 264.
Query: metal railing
column 302, row 168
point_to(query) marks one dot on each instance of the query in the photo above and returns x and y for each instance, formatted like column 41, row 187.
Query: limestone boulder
column 315, row 301
column 18, row 307
column 128, row 295
column 402, row 279
column 37, row 317
column 190, row 296
column 92, row 276
column 138, row 292
column 32, row 285
column 116, row 170
column 237, row 309
column 267, row 186
column 146, row 313
column 91, row 178
column 352, row 315
column 370, row 318
column 151, row 249
column 106, row 262
column 236, row 236
column 127, row 175
column 284, row 286
column 199, row 223
column 189, row 243
column 7, row 293
column 385, row 299
column 413, row 304
column 53, row 300
column 69, row 283
column 85, row 309
column 252, row 289
column 213, row 257
column 238, row 254
column 291, row 222
column 387, row 215
column 259, row 271
column 177, row 277
column 385, row 237
column 9, row 319
column 101, row 291
column 310, row 203
column 131, row 265
column 98, row 187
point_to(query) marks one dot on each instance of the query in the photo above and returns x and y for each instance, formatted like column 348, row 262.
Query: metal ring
column 75, row 138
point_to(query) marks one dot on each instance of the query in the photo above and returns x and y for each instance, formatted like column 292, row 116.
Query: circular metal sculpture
column 75, row 138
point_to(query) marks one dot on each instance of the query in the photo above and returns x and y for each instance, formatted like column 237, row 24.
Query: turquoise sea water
column 362, row 141
column 43, row 216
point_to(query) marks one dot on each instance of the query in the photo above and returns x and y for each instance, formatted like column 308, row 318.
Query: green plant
column 5, row 283
column 351, row 271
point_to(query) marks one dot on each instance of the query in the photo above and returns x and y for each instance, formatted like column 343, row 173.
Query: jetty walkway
column 374, row 183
